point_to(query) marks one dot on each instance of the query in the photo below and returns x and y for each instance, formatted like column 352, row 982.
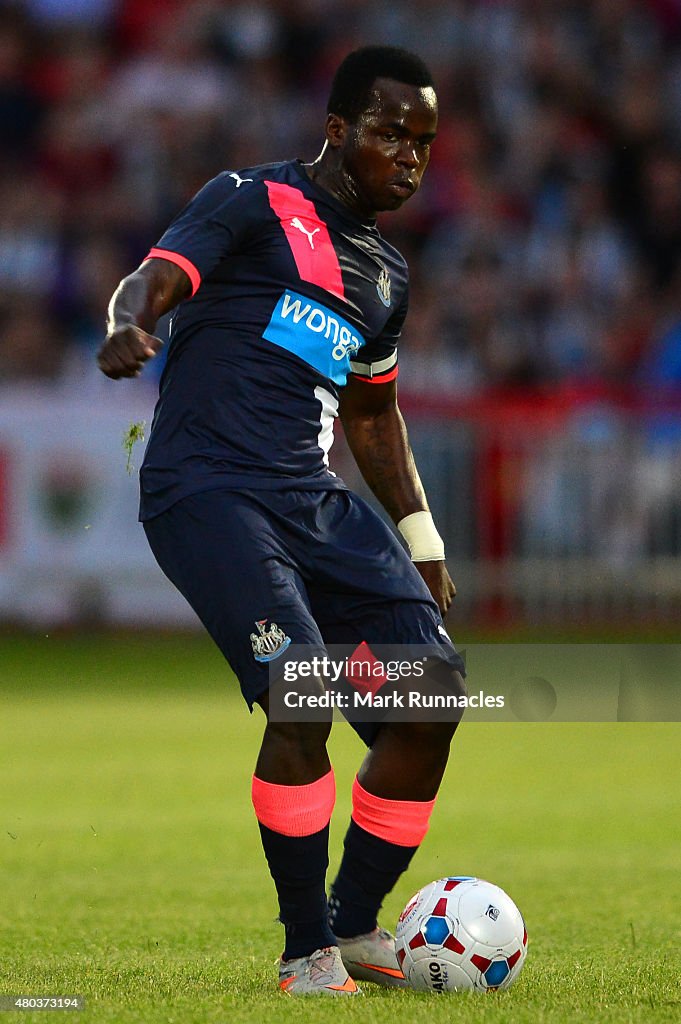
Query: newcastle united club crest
column 383, row 287
column 267, row 644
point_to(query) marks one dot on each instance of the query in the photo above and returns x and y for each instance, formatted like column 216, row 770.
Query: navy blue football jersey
column 291, row 293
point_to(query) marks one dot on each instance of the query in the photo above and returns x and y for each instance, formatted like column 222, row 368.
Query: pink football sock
column 402, row 822
column 294, row 810
column 294, row 828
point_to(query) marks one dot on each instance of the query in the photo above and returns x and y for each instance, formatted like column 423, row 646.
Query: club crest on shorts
column 383, row 287
column 267, row 644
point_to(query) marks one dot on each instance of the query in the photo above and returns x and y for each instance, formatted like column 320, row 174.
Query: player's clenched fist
column 126, row 350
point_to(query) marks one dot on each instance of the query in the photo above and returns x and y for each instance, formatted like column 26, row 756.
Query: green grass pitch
column 131, row 871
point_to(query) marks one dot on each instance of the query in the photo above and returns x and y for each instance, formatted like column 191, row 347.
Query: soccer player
column 288, row 308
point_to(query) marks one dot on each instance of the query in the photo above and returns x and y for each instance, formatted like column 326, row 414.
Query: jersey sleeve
column 376, row 361
column 209, row 228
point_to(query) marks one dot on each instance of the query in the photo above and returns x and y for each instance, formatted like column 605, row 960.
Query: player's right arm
column 152, row 290
column 211, row 227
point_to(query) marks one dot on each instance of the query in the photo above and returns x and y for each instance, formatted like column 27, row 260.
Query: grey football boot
column 372, row 957
column 320, row 973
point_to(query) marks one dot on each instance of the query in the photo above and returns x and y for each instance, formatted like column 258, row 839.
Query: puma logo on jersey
column 239, row 181
column 296, row 223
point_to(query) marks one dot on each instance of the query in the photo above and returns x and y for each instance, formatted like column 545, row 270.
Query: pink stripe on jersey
column 402, row 822
column 181, row 261
column 294, row 810
column 308, row 236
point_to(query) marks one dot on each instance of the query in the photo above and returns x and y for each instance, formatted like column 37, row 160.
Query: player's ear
column 336, row 130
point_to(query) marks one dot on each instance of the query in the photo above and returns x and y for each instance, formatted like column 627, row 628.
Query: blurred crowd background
column 545, row 244
column 541, row 361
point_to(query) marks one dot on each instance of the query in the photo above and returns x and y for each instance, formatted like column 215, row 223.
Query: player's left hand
column 439, row 583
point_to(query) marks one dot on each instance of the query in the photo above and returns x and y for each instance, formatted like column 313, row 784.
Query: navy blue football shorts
column 316, row 567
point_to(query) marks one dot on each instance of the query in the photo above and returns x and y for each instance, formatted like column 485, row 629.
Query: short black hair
column 353, row 82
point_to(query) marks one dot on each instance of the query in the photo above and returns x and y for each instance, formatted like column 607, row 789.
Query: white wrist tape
column 425, row 543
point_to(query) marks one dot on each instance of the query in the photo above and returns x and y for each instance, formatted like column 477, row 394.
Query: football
column 461, row 933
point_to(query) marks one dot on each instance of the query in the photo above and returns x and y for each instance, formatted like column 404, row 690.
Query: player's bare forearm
column 153, row 289
column 377, row 437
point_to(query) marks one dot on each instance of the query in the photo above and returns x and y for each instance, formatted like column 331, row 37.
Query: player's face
column 387, row 150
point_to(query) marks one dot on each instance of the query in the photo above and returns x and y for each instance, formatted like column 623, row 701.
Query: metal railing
column 555, row 507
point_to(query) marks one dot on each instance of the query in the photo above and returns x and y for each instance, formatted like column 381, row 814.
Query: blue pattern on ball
column 436, row 931
column 496, row 973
